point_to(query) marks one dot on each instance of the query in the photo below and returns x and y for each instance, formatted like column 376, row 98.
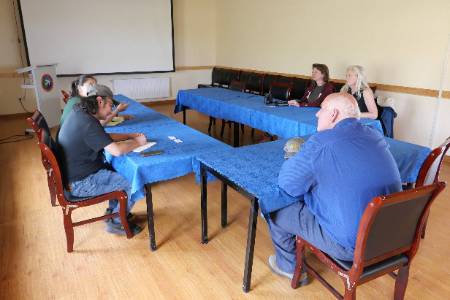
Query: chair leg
column 222, row 129
column 300, row 253
column 350, row 294
column 123, row 216
column 424, row 228
column 401, row 283
column 68, row 227
column 211, row 121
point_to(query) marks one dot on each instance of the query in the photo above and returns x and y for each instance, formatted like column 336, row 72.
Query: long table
column 249, row 109
column 177, row 159
column 253, row 171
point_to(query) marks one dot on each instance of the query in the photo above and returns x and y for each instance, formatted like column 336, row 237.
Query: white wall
column 194, row 30
column 400, row 42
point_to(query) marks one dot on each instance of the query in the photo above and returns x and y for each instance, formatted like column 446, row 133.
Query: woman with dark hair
column 318, row 89
column 80, row 87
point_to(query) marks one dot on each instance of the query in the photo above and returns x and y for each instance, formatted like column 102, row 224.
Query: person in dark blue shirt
column 334, row 176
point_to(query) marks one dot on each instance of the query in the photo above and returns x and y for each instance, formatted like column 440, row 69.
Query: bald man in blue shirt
column 334, row 176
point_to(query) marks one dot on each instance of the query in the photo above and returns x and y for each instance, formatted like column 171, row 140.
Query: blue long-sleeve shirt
column 337, row 173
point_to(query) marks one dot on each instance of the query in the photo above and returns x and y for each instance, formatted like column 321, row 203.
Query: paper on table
column 144, row 147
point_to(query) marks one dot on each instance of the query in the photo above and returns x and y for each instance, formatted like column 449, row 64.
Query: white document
column 144, row 147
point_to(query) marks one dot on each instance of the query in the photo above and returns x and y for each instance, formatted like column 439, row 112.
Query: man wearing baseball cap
column 105, row 92
column 82, row 140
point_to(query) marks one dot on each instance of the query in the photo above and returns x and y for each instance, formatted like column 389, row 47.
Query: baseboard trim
column 23, row 115
column 159, row 102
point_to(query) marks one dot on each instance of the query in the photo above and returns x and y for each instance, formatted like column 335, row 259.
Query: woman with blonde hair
column 357, row 85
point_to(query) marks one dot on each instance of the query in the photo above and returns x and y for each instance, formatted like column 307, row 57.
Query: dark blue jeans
column 104, row 181
column 296, row 219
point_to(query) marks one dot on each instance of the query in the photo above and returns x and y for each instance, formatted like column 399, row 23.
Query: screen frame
column 24, row 37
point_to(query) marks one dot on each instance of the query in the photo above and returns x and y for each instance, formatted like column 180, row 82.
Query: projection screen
column 99, row 36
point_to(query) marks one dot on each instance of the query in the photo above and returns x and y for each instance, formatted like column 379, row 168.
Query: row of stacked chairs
column 262, row 83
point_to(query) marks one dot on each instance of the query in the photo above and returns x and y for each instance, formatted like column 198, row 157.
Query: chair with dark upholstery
column 285, row 79
column 269, row 79
column 223, row 77
column 236, row 85
column 431, row 167
column 40, row 126
column 68, row 202
column 233, row 75
column 379, row 249
column 281, row 90
column 253, row 82
column 217, row 76
column 299, row 86
column 337, row 86
column 239, row 86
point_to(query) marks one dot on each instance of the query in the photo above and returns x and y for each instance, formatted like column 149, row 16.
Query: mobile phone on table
column 151, row 153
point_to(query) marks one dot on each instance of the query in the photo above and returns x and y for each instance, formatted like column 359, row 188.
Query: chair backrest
column 299, row 86
column 267, row 82
column 237, row 86
column 429, row 172
column 253, row 82
column 51, row 165
column 65, row 96
column 223, row 77
column 391, row 225
column 39, row 124
column 281, row 90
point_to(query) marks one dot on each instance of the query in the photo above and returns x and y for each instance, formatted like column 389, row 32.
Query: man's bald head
column 336, row 107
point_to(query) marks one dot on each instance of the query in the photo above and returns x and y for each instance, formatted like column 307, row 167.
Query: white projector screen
column 99, row 36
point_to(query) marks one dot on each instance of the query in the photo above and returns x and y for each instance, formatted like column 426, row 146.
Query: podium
column 45, row 84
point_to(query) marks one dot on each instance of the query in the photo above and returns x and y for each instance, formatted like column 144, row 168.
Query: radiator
column 143, row 88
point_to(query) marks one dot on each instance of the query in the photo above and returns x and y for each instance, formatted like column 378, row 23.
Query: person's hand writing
column 140, row 138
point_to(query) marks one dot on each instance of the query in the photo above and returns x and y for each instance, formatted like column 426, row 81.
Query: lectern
column 45, row 84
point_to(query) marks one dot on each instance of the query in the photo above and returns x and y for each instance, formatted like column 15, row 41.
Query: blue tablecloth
column 255, row 168
column 177, row 159
column 249, row 109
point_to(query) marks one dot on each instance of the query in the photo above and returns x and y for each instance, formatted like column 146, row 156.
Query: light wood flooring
column 34, row 263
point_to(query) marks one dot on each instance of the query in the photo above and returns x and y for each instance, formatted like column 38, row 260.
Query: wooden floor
column 34, row 263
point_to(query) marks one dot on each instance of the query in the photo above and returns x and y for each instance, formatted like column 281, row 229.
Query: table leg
column 184, row 115
column 250, row 245
column 203, row 204
column 224, row 205
column 151, row 225
column 235, row 134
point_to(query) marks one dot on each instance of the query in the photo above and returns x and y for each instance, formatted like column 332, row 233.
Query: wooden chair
column 69, row 203
column 39, row 125
column 429, row 172
column 388, row 239
column 65, row 96
column 253, row 82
